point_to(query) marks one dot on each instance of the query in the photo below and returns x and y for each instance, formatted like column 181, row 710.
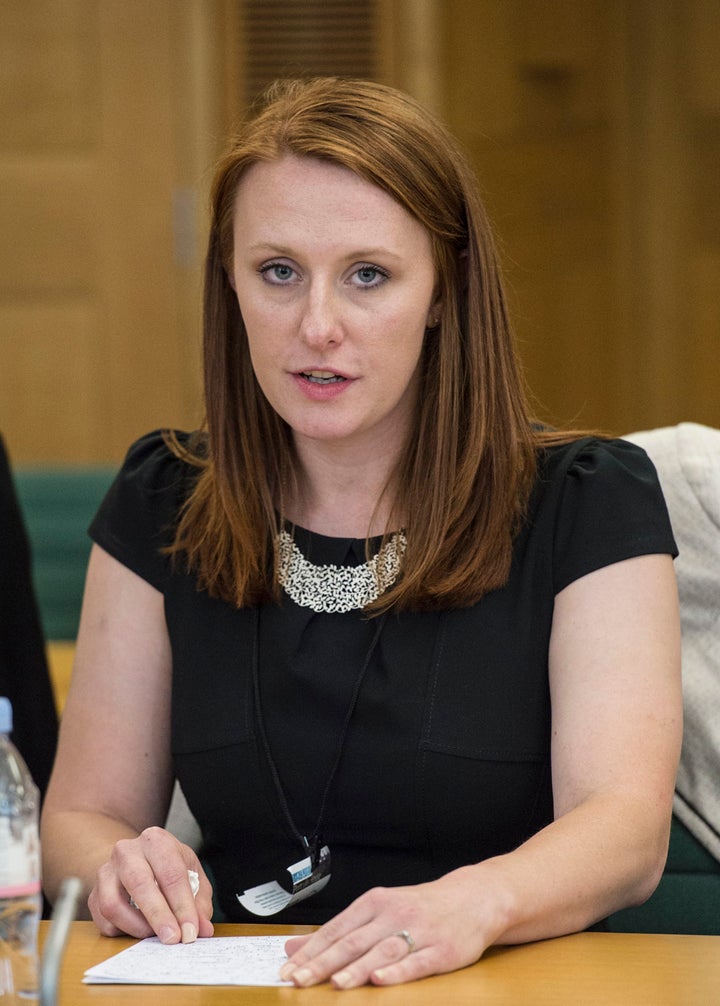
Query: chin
column 328, row 433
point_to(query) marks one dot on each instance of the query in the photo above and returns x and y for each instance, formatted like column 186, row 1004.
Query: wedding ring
column 405, row 935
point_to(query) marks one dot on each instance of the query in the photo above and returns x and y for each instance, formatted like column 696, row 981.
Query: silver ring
column 132, row 903
column 405, row 935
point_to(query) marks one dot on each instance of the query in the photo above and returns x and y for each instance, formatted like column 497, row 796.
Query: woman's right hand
column 151, row 872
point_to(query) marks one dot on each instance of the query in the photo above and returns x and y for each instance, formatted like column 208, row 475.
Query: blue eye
column 277, row 272
column 370, row 275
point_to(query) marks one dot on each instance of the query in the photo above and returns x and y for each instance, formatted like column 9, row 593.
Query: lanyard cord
column 312, row 845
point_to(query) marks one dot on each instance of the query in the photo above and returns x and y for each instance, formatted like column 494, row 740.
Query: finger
column 308, row 950
column 357, row 965
column 188, row 893
column 149, row 902
column 302, row 949
column 141, row 865
column 110, row 908
column 172, row 864
column 204, row 906
column 411, row 967
column 192, row 910
column 174, row 885
column 296, row 943
column 203, row 898
column 129, row 914
column 388, row 953
column 104, row 925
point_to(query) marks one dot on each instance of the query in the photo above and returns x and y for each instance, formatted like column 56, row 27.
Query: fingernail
column 342, row 980
column 303, row 977
column 166, row 934
column 286, row 970
column 189, row 932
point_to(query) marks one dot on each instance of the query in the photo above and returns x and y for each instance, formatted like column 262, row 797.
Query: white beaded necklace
column 337, row 588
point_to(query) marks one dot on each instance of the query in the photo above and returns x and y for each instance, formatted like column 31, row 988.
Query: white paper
column 218, row 960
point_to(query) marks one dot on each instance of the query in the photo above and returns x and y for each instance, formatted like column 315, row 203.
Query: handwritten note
column 220, row 960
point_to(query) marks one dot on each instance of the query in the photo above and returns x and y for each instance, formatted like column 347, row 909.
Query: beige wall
column 594, row 125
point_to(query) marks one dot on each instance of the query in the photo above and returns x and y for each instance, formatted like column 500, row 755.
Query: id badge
column 271, row 898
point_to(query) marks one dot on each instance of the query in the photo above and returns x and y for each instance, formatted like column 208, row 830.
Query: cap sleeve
column 611, row 508
column 137, row 516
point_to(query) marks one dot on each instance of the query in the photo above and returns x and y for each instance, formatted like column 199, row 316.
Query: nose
column 321, row 324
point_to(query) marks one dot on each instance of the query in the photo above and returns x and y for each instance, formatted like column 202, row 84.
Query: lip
column 336, row 384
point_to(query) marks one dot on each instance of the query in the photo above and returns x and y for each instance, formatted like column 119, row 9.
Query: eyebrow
column 360, row 255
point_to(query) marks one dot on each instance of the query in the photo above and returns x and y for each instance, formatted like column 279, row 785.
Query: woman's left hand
column 393, row 935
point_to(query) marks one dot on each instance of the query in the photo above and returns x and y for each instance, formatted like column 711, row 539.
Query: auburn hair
column 464, row 476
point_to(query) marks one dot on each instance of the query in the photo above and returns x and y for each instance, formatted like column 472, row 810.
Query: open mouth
column 321, row 377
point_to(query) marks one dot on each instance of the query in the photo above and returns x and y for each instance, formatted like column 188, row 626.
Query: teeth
column 322, row 376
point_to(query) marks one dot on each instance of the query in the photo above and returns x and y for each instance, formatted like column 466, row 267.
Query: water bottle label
column 20, row 890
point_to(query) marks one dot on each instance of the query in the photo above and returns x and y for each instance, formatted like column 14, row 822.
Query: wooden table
column 607, row 969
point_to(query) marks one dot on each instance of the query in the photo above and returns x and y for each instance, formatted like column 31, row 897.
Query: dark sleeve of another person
column 24, row 677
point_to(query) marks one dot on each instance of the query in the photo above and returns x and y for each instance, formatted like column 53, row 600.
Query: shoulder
column 160, row 459
column 158, row 473
column 592, row 469
column 687, row 458
column 597, row 502
column 606, row 460
column 137, row 518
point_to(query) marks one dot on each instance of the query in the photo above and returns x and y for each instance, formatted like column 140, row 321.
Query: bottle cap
column 6, row 722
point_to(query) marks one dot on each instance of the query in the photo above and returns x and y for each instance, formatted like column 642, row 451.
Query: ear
column 433, row 315
column 231, row 278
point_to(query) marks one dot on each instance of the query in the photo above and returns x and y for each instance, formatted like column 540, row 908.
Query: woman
column 387, row 632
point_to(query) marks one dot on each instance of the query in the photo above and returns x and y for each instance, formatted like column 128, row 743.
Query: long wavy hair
column 464, row 475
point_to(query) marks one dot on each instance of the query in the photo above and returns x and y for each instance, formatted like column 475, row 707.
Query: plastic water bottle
column 20, row 898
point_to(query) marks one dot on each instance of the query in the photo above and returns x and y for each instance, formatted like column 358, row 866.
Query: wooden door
column 108, row 119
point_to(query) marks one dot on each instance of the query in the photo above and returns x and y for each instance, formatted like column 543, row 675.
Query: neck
column 340, row 493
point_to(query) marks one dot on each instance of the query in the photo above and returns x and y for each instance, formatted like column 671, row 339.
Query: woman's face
column 336, row 285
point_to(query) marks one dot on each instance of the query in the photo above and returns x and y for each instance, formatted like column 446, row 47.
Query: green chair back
column 58, row 505
column 687, row 899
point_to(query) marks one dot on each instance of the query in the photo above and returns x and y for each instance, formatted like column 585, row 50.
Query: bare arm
column 113, row 777
column 616, row 731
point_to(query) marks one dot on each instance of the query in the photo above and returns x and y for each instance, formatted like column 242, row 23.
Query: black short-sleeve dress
column 446, row 760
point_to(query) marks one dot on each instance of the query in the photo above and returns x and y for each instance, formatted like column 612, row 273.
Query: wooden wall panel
column 48, row 212
column 702, row 45
column 48, row 75
column 524, row 84
column 100, row 250
column 50, row 408
column 595, row 131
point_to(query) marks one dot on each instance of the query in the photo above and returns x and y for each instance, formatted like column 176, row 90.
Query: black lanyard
column 311, row 846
